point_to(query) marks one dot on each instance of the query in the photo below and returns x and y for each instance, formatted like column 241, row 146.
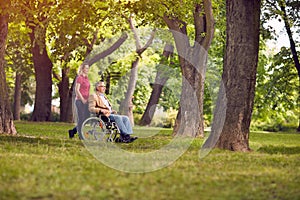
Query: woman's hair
column 81, row 67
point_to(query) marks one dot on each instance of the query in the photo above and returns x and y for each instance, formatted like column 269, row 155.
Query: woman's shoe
column 71, row 133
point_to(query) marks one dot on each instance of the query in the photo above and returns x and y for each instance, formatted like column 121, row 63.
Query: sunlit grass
column 43, row 163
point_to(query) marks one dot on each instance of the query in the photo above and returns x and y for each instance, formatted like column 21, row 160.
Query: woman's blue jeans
column 82, row 114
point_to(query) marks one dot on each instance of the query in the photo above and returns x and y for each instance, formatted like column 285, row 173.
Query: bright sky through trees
column 282, row 37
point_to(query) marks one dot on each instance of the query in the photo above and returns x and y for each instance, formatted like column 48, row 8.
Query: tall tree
column 276, row 92
column 76, row 35
column 193, row 60
column 192, row 26
column 232, row 116
column 162, row 75
column 70, row 44
column 288, row 12
column 19, row 61
column 38, row 15
column 126, row 105
column 6, row 117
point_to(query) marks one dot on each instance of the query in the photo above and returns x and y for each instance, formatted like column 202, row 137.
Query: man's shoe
column 71, row 134
column 125, row 138
column 118, row 140
column 133, row 138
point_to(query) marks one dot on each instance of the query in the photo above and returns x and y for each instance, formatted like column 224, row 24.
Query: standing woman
column 82, row 89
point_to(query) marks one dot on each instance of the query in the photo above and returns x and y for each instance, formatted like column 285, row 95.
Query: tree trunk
column 289, row 32
column 17, row 96
column 71, row 109
column 126, row 105
column 292, row 44
column 193, row 60
column 106, row 52
column 66, row 96
column 6, row 117
column 43, row 71
column 162, row 75
column 63, row 89
column 232, row 117
column 189, row 120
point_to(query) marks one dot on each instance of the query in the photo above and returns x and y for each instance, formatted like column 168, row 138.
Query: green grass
column 43, row 163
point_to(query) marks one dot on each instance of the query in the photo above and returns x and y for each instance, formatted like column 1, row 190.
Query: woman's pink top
column 84, row 86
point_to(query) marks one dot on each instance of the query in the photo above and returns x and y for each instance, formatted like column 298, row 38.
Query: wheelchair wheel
column 94, row 128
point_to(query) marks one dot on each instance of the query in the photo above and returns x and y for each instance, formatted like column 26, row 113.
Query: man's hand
column 106, row 113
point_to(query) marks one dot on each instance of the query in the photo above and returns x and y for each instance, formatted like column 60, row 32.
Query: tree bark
column 290, row 35
column 232, row 116
column 17, row 96
column 292, row 43
column 160, row 80
column 111, row 49
column 43, row 71
column 63, row 89
column 193, row 60
column 127, row 102
column 6, row 117
column 126, row 105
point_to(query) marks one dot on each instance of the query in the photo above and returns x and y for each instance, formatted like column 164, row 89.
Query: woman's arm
column 78, row 94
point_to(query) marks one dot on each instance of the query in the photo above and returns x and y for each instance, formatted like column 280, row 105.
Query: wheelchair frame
column 99, row 128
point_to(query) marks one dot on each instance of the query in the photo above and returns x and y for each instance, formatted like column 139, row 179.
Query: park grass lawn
column 43, row 163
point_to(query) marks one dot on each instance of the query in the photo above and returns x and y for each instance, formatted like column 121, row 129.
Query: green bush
column 274, row 126
column 164, row 119
column 27, row 116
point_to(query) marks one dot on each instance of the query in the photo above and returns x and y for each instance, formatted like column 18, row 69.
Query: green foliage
column 277, row 93
column 55, row 117
column 272, row 10
column 164, row 119
column 170, row 96
column 42, row 163
column 180, row 9
column 19, row 62
column 120, row 62
column 74, row 28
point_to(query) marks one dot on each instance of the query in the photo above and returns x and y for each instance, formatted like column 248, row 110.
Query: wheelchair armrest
column 104, row 118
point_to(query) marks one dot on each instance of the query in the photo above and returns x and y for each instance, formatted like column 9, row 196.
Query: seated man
column 98, row 103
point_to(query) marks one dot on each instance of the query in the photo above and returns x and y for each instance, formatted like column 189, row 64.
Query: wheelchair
column 100, row 128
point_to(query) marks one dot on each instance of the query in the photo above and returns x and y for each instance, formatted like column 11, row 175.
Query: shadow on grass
column 37, row 140
column 279, row 150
